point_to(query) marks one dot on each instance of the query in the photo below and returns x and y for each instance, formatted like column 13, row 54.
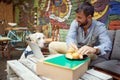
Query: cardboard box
column 59, row 68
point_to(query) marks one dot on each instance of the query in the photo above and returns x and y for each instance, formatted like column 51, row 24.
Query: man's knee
column 51, row 45
column 51, row 48
column 57, row 47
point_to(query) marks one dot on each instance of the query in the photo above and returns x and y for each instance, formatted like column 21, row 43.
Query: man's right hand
column 73, row 45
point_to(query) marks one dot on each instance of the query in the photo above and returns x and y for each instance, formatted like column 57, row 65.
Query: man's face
column 82, row 19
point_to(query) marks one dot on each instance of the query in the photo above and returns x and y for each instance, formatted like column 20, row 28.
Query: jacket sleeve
column 71, row 37
column 105, row 44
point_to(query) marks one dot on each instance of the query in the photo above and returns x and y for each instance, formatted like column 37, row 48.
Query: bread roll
column 72, row 54
column 75, row 56
column 80, row 56
column 69, row 56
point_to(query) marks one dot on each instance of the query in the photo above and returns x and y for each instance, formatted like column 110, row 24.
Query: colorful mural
column 24, row 17
column 101, row 8
column 114, row 15
column 49, row 13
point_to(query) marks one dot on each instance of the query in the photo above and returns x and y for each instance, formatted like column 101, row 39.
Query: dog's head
column 37, row 38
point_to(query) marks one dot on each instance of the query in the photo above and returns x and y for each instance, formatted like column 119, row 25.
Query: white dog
column 37, row 38
column 28, row 58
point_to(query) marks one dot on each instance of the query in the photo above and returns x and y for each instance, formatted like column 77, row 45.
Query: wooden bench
column 14, row 67
column 95, row 75
column 18, row 70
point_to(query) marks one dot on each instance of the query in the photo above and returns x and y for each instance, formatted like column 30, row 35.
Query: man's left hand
column 86, row 50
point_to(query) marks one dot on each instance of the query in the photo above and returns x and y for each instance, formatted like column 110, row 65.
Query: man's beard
column 83, row 24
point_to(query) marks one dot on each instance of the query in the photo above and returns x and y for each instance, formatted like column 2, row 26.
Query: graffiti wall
column 42, row 13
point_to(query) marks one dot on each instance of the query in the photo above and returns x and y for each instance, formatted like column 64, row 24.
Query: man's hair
column 87, row 8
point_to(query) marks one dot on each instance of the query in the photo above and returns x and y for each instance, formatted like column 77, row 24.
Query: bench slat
column 22, row 71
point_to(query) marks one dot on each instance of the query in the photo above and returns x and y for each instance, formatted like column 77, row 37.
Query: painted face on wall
column 81, row 19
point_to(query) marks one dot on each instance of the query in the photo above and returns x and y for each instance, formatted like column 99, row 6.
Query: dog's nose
column 46, row 44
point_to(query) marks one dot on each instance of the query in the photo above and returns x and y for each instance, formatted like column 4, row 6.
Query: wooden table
column 4, row 46
column 17, row 28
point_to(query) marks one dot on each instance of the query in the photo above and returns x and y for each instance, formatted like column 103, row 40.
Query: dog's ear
column 28, row 38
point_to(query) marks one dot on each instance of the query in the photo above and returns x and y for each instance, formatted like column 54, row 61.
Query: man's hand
column 73, row 45
column 87, row 50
